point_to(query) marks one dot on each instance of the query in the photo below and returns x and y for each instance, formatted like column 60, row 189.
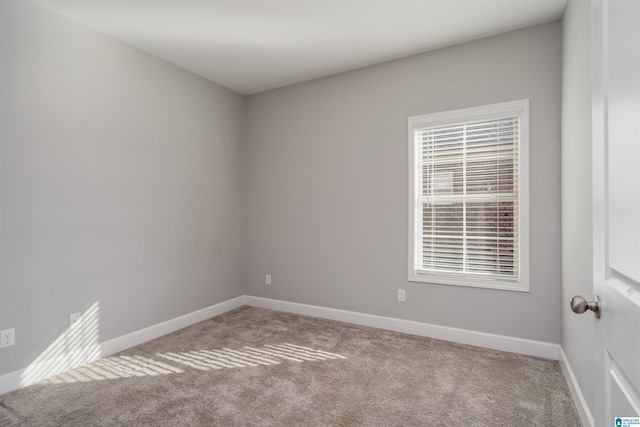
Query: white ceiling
column 255, row 45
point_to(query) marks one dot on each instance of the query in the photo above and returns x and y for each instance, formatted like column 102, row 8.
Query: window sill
column 442, row 279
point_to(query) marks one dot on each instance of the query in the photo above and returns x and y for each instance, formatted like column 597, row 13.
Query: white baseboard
column 576, row 392
column 23, row 377
column 10, row 381
column 462, row 336
column 132, row 339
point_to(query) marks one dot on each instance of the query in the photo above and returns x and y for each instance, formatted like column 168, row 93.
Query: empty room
column 319, row 213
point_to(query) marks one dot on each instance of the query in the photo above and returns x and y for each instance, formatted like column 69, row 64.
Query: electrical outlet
column 402, row 295
column 74, row 320
column 267, row 279
column 7, row 337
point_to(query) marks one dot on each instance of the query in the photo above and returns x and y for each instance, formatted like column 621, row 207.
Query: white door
column 616, row 207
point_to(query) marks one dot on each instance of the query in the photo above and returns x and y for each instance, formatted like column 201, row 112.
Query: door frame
column 599, row 212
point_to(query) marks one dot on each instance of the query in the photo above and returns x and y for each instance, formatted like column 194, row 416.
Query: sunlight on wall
column 138, row 366
column 75, row 347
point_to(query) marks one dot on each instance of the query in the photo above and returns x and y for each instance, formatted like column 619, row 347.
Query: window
column 468, row 185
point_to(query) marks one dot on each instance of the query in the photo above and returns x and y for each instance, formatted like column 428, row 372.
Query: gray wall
column 327, row 184
column 577, row 245
column 121, row 182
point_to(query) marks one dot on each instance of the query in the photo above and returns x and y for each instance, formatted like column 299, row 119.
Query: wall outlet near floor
column 267, row 279
column 402, row 295
column 74, row 320
column 7, row 337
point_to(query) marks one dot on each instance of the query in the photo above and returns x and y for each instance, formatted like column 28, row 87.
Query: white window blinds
column 466, row 197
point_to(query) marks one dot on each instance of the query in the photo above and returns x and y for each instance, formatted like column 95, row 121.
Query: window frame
column 518, row 108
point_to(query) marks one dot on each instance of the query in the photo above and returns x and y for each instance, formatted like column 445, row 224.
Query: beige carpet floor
column 256, row 367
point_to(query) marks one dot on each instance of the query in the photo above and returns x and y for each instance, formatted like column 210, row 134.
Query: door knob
column 580, row 305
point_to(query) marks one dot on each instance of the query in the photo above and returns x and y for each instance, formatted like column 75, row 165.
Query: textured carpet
column 256, row 367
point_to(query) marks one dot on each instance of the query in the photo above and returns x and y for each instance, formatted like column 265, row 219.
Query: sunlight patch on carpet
column 247, row 357
column 116, row 367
